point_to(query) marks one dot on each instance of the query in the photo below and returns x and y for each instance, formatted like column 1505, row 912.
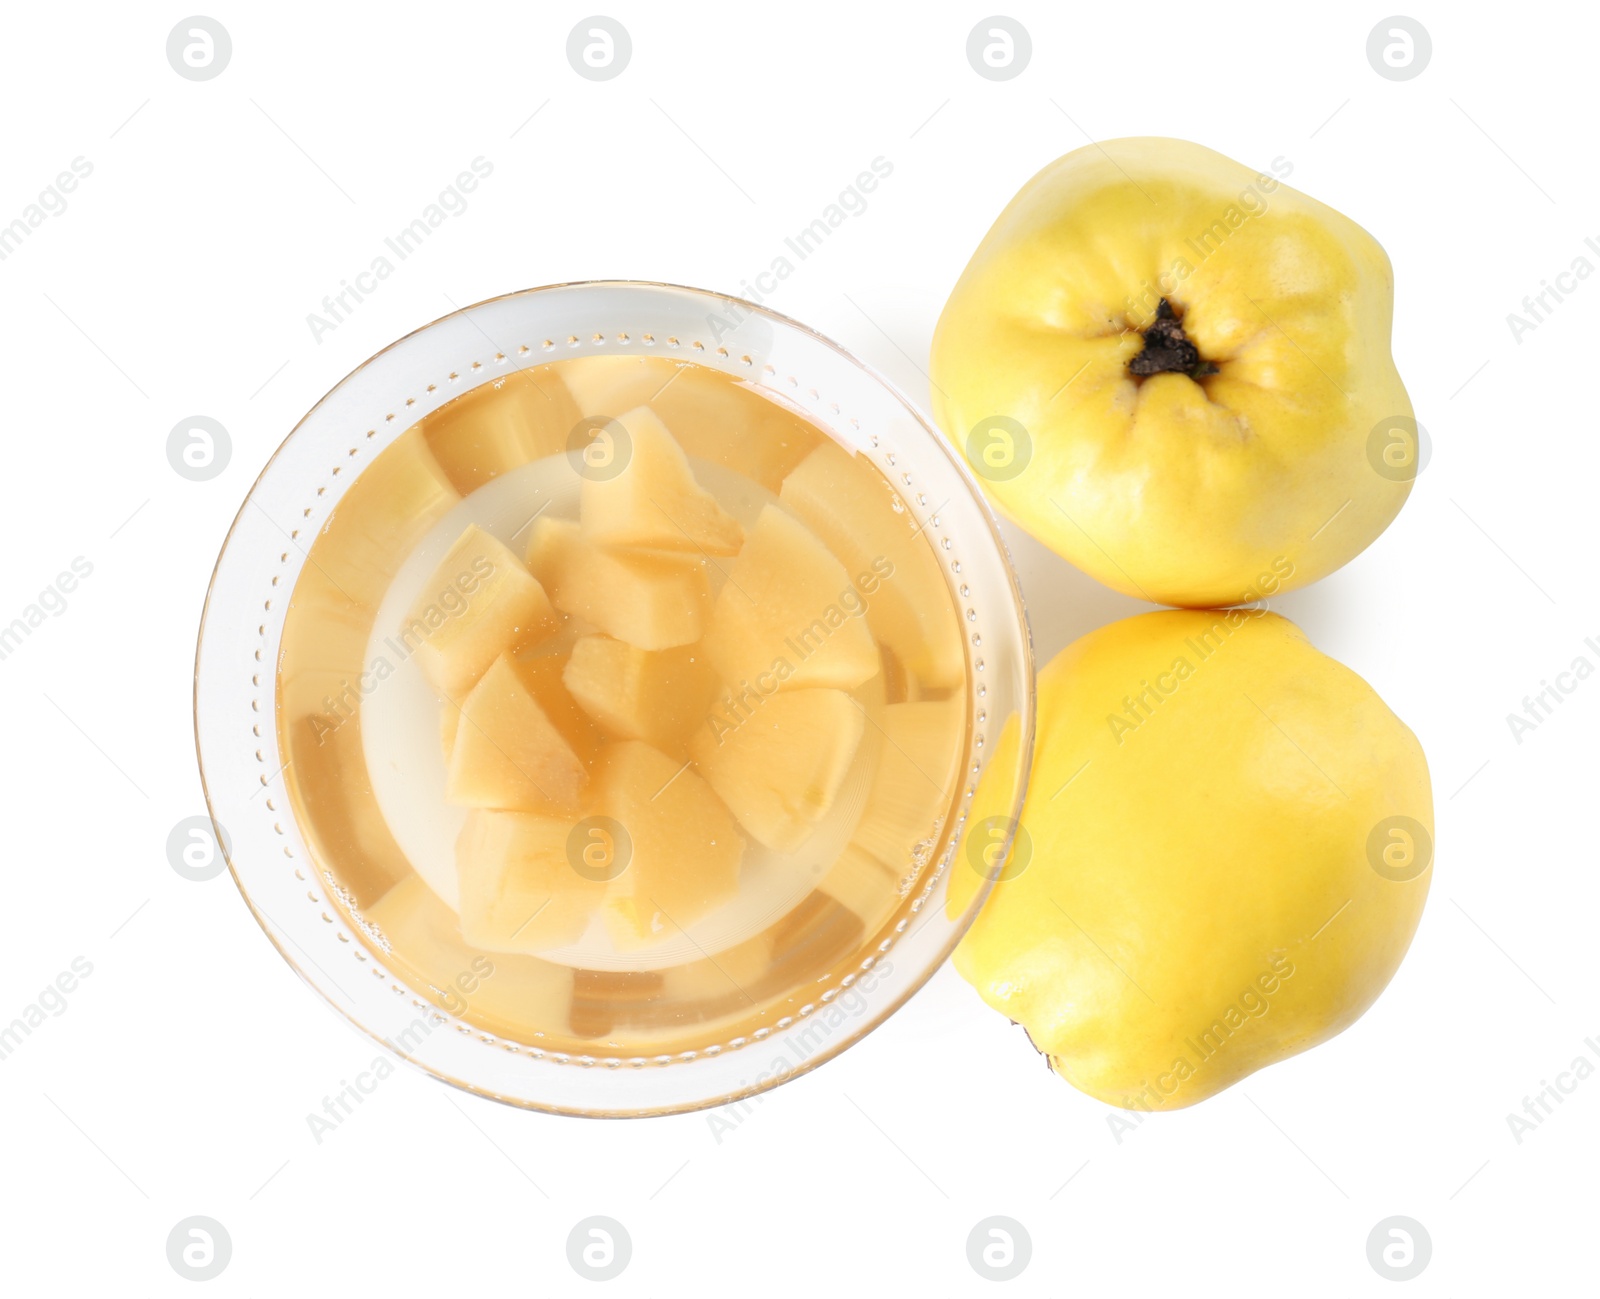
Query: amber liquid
column 359, row 721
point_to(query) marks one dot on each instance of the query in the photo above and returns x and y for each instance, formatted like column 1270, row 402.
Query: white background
column 178, row 282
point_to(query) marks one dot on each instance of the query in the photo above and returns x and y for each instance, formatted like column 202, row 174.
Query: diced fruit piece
column 772, row 439
column 605, row 386
column 922, row 744
column 321, row 668
column 508, row 753
column 684, row 850
column 865, row 885
column 519, row 890
column 661, row 1012
column 654, row 502
column 852, row 507
column 810, row 939
column 333, row 802
column 504, row 994
column 657, row 696
column 383, row 514
column 729, row 974
column 779, row 768
column 786, row 611
column 324, row 647
column 479, row 603
column 500, row 426
column 542, row 673
column 603, row 1001
column 694, row 998
column 699, row 404
column 651, row 600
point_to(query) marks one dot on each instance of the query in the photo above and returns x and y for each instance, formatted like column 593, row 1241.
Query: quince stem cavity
column 1167, row 349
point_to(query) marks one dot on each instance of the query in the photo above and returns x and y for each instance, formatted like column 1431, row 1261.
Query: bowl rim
column 1027, row 710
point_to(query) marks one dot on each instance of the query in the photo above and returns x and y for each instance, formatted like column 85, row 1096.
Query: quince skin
column 1224, row 852
column 1176, row 373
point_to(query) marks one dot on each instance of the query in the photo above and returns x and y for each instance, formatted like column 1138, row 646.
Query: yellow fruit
column 603, row 387
column 728, row 978
column 789, row 613
column 321, row 666
column 653, row 501
column 542, row 672
column 859, row 516
column 684, row 853
column 324, row 647
column 864, row 885
column 657, row 696
column 386, row 511
column 479, row 603
column 519, row 891
column 499, row 993
column 607, row 1004
column 911, row 789
column 647, row 598
column 772, row 440
column 818, row 935
column 1246, row 461
column 699, row 405
column 507, row 751
column 499, row 426
column 779, row 768
column 1224, row 853
column 334, row 802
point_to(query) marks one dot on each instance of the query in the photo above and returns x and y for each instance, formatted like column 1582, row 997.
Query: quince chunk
column 421, row 940
column 479, row 602
column 922, row 744
column 779, row 768
column 683, row 851
column 854, row 510
column 699, row 404
column 652, row 600
column 519, row 890
column 384, row 513
column 789, row 610
column 657, row 696
column 606, row 386
column 862, row 884
column 499, row 426
column 508, row 753
column 653, row 501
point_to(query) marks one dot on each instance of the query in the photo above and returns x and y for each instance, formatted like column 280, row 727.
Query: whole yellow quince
column 1176, row 372
column 1222, row 857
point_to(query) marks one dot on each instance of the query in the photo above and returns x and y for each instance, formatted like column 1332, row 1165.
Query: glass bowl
column 302, row 907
